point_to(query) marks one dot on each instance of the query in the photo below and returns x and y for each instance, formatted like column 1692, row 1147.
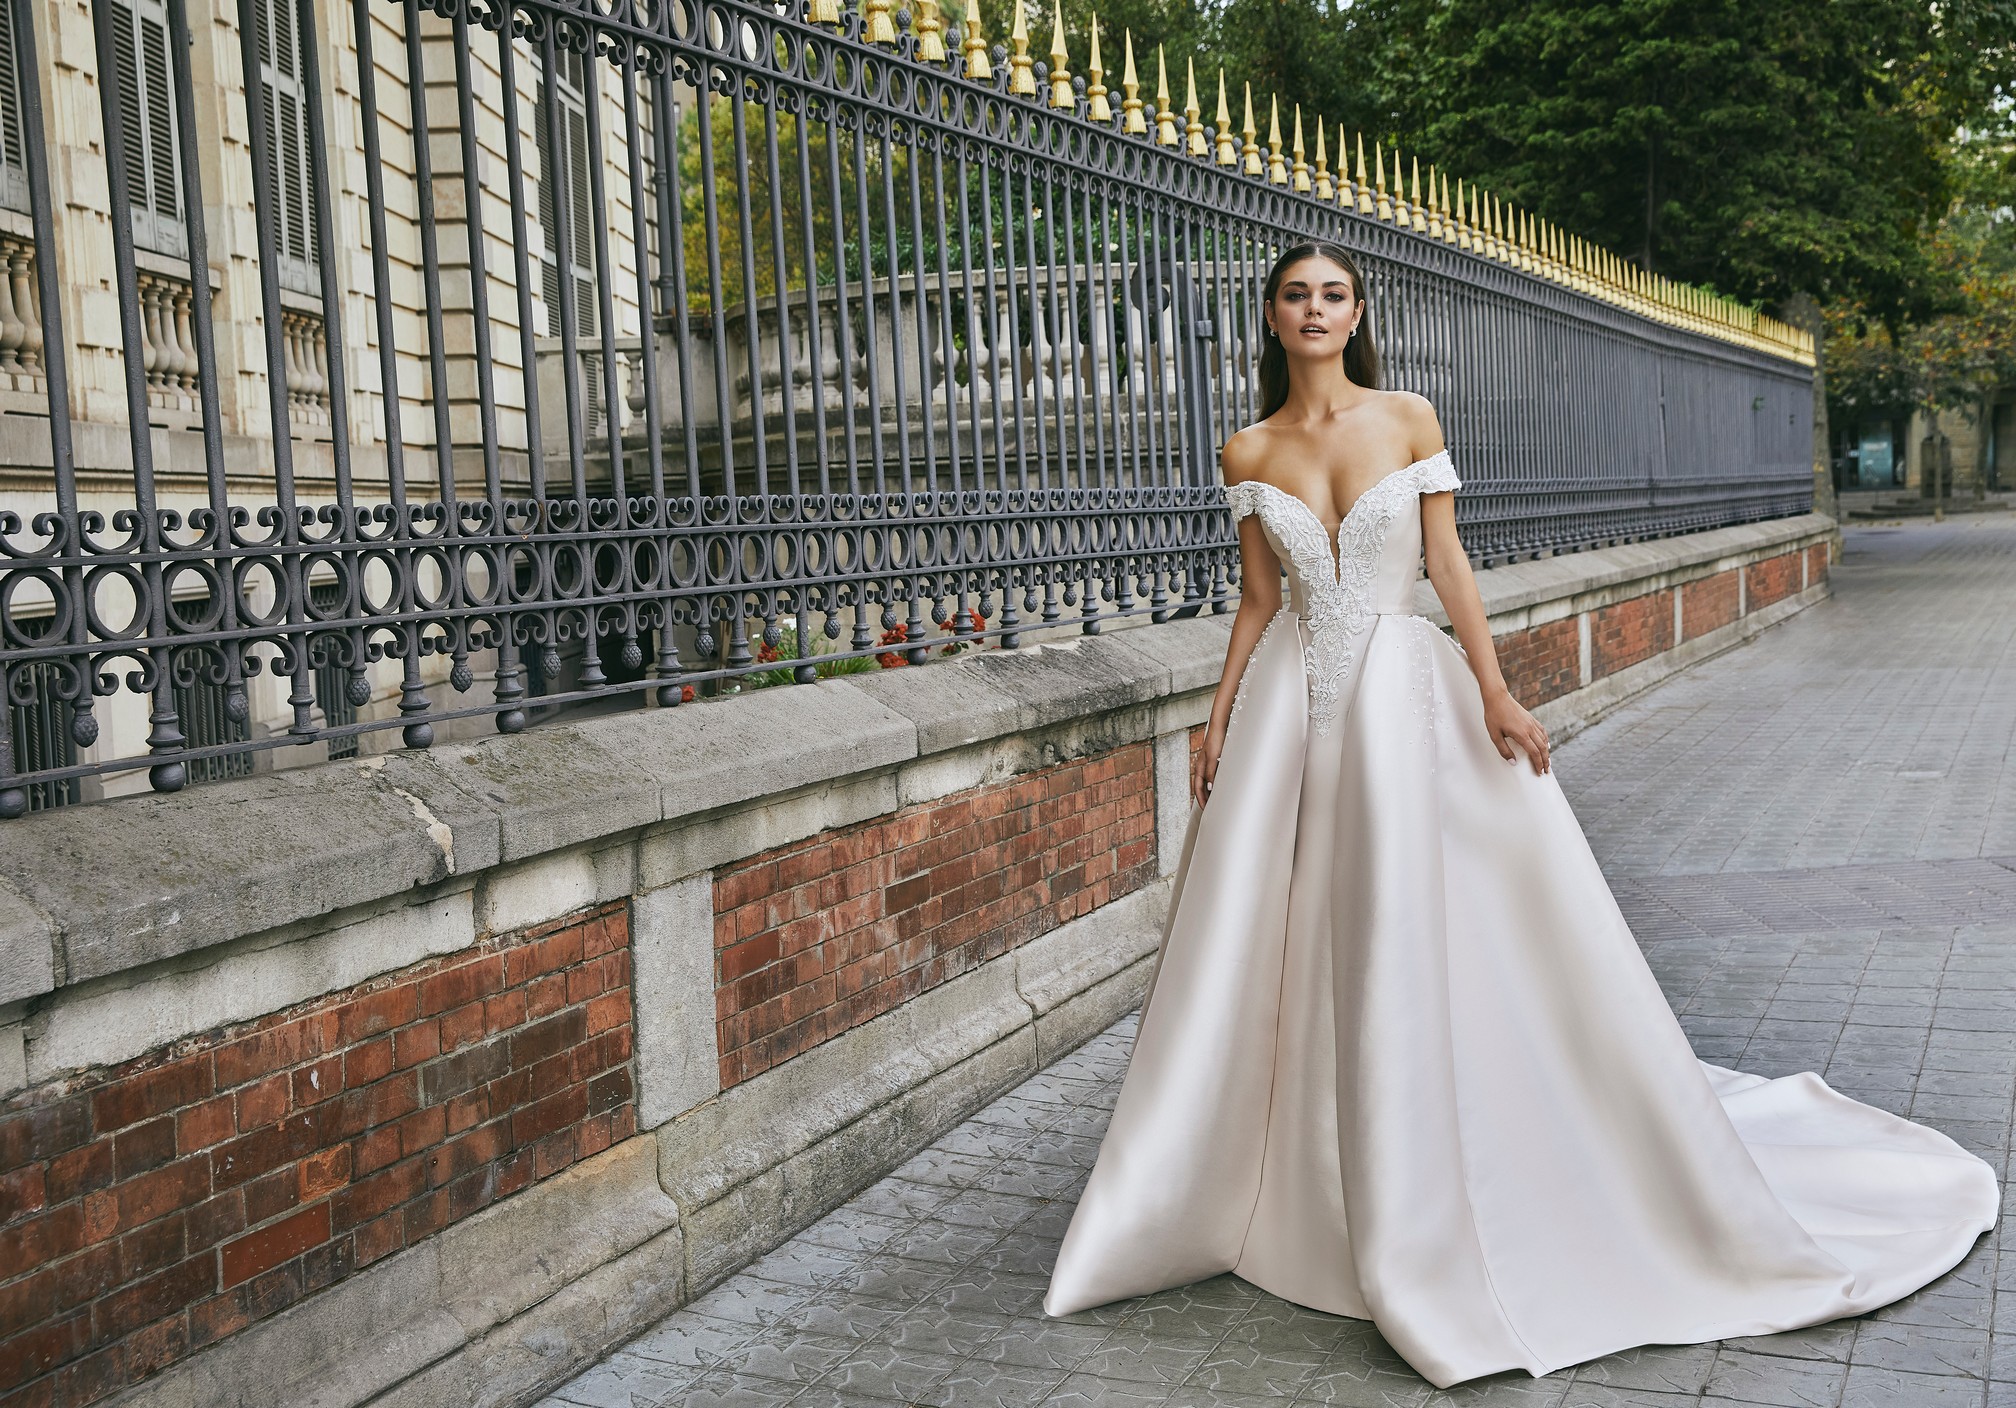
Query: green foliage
column 786, row 649
column 1965, row 348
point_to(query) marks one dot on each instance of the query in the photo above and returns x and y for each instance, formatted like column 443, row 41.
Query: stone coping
column 92, row 891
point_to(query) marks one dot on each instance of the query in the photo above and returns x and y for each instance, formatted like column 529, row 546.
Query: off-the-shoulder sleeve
column 1243, row 498
column 1438, row 472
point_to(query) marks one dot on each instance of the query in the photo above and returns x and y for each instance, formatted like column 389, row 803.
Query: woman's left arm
column 1507, row 721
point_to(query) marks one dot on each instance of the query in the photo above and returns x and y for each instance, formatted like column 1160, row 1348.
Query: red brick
column 414, row 1044
column 319, row 1081
column 143, row 1147
column 211, row 1320
column 149, row 1300
column 463, row 983
column 462, row 1026
column 269, row 1246
column 79, row 1171
column 264, row 1102
column 43, row 1348
column 372, row 1013
column 149, row 1248
column 44, row 1131
column 277, row 1193
column 201, row 1126
column 324, row 1172
column 159, row 1091
column 265, row 1052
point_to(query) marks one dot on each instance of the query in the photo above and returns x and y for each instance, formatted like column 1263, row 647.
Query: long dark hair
column 1361, row 353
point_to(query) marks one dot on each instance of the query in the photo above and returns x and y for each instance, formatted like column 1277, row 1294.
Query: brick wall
column 151, row 1208
column 1816, row 564
column 1626, row 632
column 1707, row 604
column 1771, row 580
column 818, row 937
column 1541, row 662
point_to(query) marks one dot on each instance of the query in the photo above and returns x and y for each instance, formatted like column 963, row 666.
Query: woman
column 1401, row 1058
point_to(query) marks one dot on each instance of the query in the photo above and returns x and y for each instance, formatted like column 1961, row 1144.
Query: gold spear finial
column 1401, row 217
column 973, row 43
column 1459, row 228
column 822, row 11
column 1420, row 220
column 1061, row 95
column 930, row 32
column 879, row 25
column 1324, row 190
column 1096, row 106
column 1021, row 68
column 1228, row 150
column 1166, row 132
column 1277, row 166
column 1385, row 205
column 1345, row 196
column 1450, row 223
column 1434, row 205
column 1251, row 148
column 1193, row 115
column 1131, row 117
column 1364, row 191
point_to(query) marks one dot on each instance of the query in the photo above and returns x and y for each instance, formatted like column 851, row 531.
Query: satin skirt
column 1402, row 1059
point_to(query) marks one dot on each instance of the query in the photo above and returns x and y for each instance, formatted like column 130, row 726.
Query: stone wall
column 424, row 1079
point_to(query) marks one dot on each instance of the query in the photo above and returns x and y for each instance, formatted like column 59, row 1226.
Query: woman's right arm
column 1259, row 599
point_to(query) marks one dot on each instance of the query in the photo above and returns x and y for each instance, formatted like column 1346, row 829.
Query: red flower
column 895, row 635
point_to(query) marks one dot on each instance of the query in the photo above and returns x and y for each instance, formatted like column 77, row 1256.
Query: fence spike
column 1420, row 220
column 1365, row 206
column 930, row 32
column 1132, row 118
column 1250, row 149
column 1324, row 190
column 1277, row 166
column 1434, row 203
column 1096, row 106
column 1450, row 224
column 1021, row 68
column 1167, row 134
column 1228, row 150
column 822, row 11
column 1385, row 206
column 1460, row 227
column 1193, row 115
column 879, row 24
column 973, row 41
column 1061, row 95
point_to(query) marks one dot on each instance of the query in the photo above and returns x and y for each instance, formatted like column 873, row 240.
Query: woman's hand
column 1204, row 767
column 1508, row 724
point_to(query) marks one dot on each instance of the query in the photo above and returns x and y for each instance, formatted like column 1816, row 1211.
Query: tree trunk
column 1802, row 311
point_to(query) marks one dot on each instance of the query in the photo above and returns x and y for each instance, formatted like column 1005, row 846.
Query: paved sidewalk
column 1805, row 834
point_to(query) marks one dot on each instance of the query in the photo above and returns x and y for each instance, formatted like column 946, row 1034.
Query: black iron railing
column 755, row 350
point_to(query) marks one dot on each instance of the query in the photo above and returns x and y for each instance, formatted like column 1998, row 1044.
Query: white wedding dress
column 1402, row 1060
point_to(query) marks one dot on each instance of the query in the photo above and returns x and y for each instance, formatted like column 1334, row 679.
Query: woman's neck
column 1319, row 390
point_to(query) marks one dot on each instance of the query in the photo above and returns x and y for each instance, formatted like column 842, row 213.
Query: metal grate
column 831, row 341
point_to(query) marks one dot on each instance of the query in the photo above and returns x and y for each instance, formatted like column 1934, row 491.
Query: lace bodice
column 1373, row 571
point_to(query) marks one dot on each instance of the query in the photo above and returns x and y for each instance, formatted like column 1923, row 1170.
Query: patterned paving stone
column 1814, row 839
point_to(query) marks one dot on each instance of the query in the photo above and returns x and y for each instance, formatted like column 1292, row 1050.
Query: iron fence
column 649, row 345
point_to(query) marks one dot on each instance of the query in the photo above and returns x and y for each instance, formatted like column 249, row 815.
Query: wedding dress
column 1401, row 1058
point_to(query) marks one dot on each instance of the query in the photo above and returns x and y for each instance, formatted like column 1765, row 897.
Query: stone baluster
column 13, row 327
column 27, row 305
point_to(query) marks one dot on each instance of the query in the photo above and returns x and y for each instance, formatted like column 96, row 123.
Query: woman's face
column 1315, row 309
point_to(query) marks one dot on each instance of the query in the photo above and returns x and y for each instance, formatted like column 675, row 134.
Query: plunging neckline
column 1336, row 540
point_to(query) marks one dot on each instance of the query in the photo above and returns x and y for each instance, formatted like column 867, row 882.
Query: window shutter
column 147, row 126
column 13, row 173
column 293, row 174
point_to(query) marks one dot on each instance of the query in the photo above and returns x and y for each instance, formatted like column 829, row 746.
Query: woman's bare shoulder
column 1244, row 453
column 1414, row 415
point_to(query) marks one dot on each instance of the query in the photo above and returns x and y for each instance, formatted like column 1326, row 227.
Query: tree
column 1761, row 147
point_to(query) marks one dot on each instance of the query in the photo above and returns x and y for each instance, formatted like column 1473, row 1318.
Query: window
column 40, row 731
column 563, row 175
column 147, row 126
column 199, row 709
column 332, row 677
column 280, row 68
column 13, row 173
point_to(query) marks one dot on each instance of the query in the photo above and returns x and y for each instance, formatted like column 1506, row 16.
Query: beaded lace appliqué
column 1340, row 601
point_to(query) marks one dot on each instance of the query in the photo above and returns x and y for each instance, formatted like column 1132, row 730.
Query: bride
column 1401, row 1058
